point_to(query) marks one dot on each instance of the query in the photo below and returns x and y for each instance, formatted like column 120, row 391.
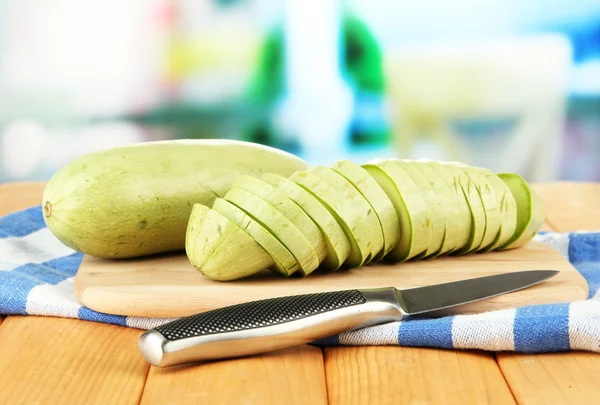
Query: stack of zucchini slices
column 347, row 215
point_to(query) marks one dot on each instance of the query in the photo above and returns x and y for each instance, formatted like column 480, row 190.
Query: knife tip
column 538, row 276
column 550, row 273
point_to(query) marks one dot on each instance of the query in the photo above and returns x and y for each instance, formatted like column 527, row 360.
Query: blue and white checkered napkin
column 37, row 272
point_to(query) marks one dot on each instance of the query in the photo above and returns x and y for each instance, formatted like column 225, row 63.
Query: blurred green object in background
column 362, row 67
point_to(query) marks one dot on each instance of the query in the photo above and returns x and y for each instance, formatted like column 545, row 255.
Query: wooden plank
column 403, row 375
column 294, row 376
column 19, row 196
column 555, row 378
column 571, row 206
column 55, row 360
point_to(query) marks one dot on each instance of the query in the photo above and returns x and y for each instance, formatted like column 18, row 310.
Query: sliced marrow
column 337, row 243
column 446, row 203
column 345, row 214
column 530, row 211
column 473, row 200
column 377, row 198
column 508, row 211
column 284, row 263
column 411, row 209
column 369, row 223
column 288, row 208
column 437, row 217
column 278, row 225
column 221, row 250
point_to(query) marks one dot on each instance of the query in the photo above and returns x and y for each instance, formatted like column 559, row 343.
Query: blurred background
column 506, row 84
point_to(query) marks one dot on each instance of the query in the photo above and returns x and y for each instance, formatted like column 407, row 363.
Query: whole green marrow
column 136, row 200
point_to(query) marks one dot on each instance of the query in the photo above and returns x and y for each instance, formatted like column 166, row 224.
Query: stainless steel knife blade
column 416, row 301
column 277, row 323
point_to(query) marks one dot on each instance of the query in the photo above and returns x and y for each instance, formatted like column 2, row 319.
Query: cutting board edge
column 110, row 299
column 97, row 299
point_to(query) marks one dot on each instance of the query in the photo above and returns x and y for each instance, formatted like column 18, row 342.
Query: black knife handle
column 267, row 325
column 258, row 314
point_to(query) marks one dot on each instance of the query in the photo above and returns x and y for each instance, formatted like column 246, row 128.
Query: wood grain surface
column 168, row 286
column 571, row 206
column 65, row 361
column 402, row 375
column 19, row 196
column 294, row 376
column 50, row 360
column 555, row 378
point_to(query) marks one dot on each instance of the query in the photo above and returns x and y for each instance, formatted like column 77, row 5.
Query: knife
column 277, row 323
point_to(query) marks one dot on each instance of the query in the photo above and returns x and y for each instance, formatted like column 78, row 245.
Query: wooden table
column 63, row 361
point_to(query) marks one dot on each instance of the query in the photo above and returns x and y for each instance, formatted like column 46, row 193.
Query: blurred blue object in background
column 506, row 84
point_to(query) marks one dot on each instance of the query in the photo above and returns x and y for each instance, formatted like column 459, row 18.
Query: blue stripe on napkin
column 591, row 272
column 584, row 254
column 89, row 315
column 14, row 290
column 53, row 271
column 542, row 328
column 22, row 223
column 426, row 332
column 66, row 266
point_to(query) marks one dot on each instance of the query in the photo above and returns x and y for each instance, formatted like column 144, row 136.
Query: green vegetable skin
column 530, row 211
column 136, row 200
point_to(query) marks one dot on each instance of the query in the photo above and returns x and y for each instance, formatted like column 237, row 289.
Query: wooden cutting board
column 168, row 286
